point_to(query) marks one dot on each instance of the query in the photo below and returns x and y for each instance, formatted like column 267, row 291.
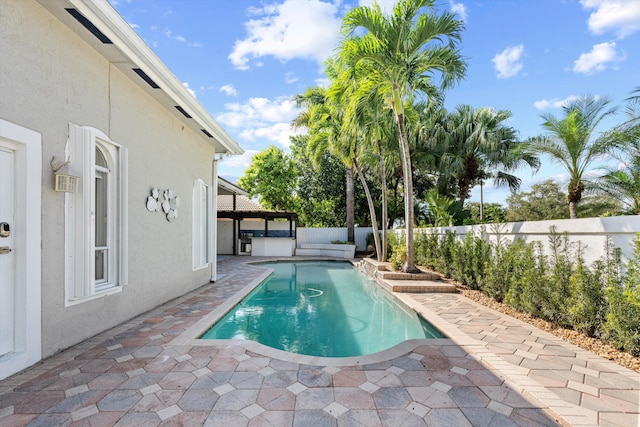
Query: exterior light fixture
column 64, row 182
column 67, row 183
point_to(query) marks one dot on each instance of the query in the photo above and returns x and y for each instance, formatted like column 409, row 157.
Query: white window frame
column 80, row 245
column 202, row 245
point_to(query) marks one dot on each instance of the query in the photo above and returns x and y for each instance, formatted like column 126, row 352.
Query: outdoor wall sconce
column 64, row 182
column 165, row 201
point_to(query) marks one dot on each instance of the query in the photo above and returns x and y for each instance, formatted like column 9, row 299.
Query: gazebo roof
column 226, row 203
column 245, row 208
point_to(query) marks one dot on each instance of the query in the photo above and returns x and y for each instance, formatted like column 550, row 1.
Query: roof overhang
column 266, row 215
column 227, row 188
column 98, row 23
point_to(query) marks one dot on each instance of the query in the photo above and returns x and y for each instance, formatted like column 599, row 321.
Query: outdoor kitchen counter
column 272, row 246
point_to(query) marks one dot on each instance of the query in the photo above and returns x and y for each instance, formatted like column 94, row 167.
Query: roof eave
column 106, row 19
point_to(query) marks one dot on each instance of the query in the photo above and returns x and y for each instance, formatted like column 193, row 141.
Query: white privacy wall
column 590, row 233
column 328, row 235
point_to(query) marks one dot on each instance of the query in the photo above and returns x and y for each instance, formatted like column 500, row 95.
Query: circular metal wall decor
column 165, row 201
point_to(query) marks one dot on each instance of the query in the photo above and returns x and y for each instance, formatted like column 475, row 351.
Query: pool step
column 397, row 275
column 396, row 281
column 420, row 286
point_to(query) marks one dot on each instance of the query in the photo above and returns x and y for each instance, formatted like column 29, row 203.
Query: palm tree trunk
column 573, row 211
column 350, row 207
column 372, row 209
column 383, row 221
column 405, row 154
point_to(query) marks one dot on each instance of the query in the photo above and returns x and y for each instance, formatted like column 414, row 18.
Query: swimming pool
column 321, row 308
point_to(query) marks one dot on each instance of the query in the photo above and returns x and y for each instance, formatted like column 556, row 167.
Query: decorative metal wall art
column 165, row 201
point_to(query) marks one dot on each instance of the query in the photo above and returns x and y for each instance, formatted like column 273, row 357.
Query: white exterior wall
column 328, row 235
column 51, row 77
column 592, row 233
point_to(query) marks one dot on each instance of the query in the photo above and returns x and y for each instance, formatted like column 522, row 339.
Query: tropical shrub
column 622, row 324
column 527, row 266
column 601, row 300
column 586, row 304
column 398, row 257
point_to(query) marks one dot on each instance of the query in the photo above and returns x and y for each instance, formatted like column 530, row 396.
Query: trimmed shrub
column 622, row 324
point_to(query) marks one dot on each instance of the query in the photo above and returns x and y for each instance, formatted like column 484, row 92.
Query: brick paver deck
column 492, row 371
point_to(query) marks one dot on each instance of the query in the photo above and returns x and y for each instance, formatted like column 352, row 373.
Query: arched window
column 96, row 232
column 102, row 225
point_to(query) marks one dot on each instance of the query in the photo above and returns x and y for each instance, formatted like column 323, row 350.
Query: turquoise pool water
column 324, row 309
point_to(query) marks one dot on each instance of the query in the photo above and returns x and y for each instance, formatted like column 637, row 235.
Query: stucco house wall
column 50, row 76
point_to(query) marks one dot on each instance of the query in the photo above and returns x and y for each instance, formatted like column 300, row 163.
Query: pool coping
column 190, row 336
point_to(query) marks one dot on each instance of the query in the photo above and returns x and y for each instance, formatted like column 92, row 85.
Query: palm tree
column 476, row 145
column 375, row 125
column 569, row 141
column 405, row 49
column 342, row 93
column 323, row 123
column 623, row 182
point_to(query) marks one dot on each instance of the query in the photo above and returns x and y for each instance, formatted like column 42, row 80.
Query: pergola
column 240, row 208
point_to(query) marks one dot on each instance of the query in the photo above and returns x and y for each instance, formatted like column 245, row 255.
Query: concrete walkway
column 492, row 371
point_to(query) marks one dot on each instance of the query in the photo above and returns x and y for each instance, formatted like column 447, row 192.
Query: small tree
column 569, row 141
column 271, row 177
column 545, row 201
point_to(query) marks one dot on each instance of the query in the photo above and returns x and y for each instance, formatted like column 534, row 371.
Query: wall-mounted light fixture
column 64, row 182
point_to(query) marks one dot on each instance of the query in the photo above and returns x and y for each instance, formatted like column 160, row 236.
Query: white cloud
column 290, row 77
column 597, row 60
column 508, row 62
column 229, row 90
column 546, row 104
column 459, row 9
column 323, row 82
column 261, row 118
column 292, row 29
column 619, row 16
column 169, row 34
column 279, row 133
column 386, row 5
column 258, row 110
column 191, row 91
column 242, row 161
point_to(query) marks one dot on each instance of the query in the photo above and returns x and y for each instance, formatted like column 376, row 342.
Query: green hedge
column 601, row 300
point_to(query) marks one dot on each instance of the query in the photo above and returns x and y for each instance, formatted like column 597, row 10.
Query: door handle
column 5, row 230
column 4, row 250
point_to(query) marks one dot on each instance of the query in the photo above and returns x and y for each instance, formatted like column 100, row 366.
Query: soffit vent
column 206, row 133
column 146, row 78
column 89, row 26
column 179, row 108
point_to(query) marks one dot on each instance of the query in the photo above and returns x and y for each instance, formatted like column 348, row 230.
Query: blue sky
column 245, row 59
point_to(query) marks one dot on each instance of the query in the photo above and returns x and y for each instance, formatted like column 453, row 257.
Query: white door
column 7, row 258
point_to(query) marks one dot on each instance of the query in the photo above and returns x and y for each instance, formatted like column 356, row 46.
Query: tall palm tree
column 406, row 49
column 475, row 144
column 569, row 141
column 342, row 92
column 324, row 122
column 375, row 125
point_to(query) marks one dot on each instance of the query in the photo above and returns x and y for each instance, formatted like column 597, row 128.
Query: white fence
column 592, row 233
column 328, row 235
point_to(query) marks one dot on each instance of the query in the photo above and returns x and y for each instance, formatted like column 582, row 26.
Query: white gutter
column 213, row 234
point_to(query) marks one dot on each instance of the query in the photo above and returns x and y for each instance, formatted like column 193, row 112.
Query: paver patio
column 493, row 370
